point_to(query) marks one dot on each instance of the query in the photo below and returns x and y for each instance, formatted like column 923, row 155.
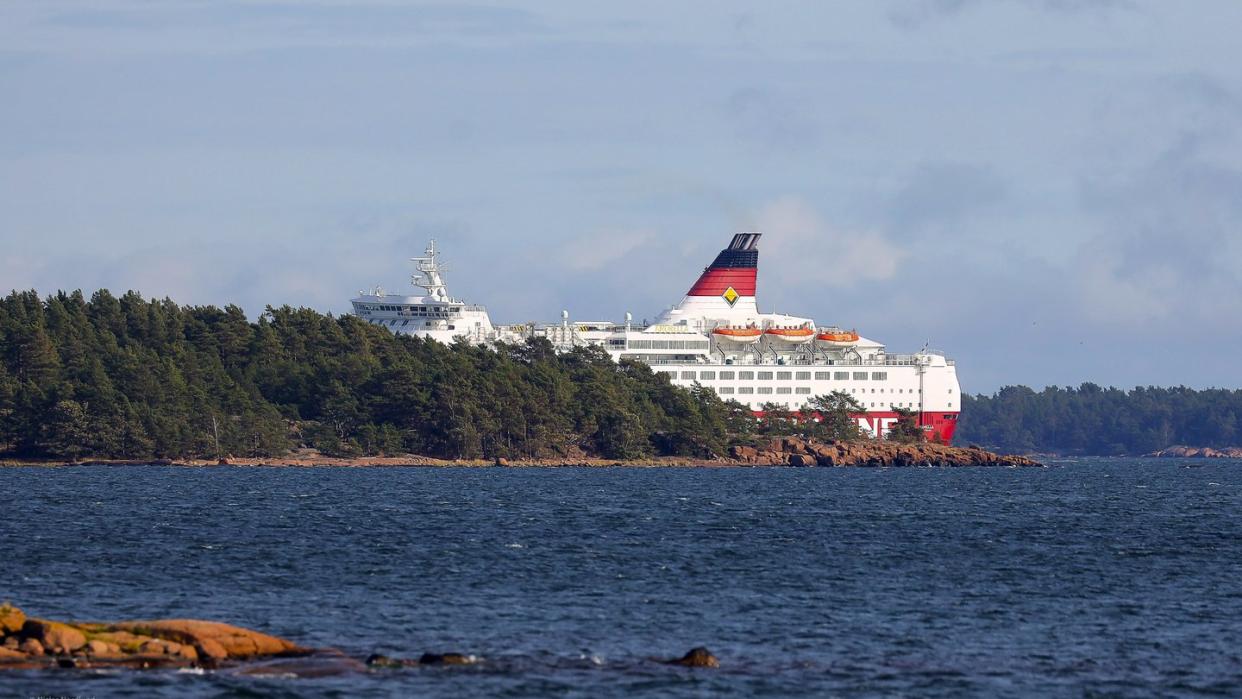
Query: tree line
column 1092, row 420
column 133, row 378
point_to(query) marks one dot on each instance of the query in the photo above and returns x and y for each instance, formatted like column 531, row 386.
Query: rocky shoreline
column 28, row 643
column 1197, row 453
column 797, row 451
column 786, row 451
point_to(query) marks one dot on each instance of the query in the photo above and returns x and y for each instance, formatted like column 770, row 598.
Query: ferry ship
column 716, row 337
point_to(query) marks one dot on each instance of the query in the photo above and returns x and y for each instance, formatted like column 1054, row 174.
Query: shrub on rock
column 11, row 619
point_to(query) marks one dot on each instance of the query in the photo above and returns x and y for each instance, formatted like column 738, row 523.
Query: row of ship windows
column 420, row 310
column 780, row 390
column 406, row 314
column 662, row 344
column 393, row 323
column 747, row 390
column 781, row 375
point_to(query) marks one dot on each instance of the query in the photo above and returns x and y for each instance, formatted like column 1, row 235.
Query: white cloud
column 801, row 247
column 20, row 272
column 126, row 27
column 1166, row 243
column 771, row 120
column 914, row 13
column 594, row 251
column 1113, row 294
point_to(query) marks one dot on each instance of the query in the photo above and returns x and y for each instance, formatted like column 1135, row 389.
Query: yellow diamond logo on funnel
column 730, row 295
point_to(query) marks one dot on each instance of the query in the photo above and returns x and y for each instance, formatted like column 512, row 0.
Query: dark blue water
column 1102, row 577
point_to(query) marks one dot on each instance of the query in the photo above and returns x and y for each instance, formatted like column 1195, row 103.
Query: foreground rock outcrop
column 171, row 644
column 800, row 451
column 32, row 643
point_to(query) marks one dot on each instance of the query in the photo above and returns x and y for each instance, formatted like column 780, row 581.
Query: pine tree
column 906, row 430
column 67, row 431
column 834, row 416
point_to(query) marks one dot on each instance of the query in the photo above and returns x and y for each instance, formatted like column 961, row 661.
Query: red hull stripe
column 715, row 281
column 938, row 426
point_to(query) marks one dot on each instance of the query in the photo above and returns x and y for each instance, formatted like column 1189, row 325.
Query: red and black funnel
column 735, row 267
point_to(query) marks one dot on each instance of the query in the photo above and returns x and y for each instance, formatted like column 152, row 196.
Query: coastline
column 776, row 453
column 1183, row 452
column 780, row 452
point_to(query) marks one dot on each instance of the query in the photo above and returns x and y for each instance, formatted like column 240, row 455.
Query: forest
column 1091, row 420
column 130, row 378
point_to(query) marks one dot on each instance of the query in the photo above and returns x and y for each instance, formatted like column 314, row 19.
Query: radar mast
column 429, row 277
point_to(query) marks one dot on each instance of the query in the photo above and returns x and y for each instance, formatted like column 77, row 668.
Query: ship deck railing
column 889, row 360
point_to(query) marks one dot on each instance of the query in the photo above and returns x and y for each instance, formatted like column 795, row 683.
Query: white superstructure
column 435, row 315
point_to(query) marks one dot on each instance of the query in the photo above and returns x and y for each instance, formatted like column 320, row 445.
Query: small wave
column 273, row 675
column 514, row 546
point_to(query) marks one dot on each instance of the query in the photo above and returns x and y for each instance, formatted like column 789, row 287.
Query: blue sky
column 1049, row 190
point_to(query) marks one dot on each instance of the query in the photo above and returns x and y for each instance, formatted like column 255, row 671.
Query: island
column 131, row 380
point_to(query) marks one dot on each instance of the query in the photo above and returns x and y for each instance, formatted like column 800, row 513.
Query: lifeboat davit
column 741, row 335
column 837, row 338
column 790, row 335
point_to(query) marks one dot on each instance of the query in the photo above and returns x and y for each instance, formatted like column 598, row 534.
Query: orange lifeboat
column 741, row 335
column 837, row 338
column 791, row 335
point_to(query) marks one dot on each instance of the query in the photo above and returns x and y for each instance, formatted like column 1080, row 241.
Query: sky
column 1050, row 191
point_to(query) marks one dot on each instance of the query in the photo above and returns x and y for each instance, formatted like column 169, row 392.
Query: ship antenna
column 430, row 275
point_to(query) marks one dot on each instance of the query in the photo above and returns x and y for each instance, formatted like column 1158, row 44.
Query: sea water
column 1113, row 577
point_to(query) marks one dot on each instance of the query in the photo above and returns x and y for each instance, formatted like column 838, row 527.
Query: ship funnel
column 744, row 241
column 736, row 268
column 726, row 289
